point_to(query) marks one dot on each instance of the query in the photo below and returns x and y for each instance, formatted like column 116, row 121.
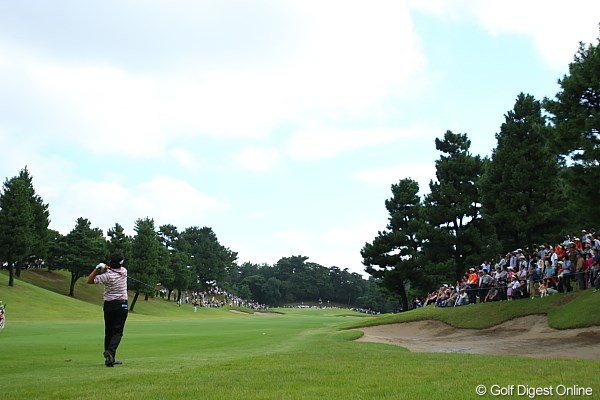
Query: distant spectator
column 462, row 299
column 473, row 283
column 518, row 288
column 549, row 271
column 533, row 280
column 502, row 281
column 485, row 283
column 580, row 271
column 486, row 266
column 492, row 295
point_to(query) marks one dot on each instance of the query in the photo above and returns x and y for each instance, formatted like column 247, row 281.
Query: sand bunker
column 526, row 336
column 258, row 313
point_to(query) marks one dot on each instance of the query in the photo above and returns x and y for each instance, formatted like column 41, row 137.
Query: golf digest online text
column 532, row 391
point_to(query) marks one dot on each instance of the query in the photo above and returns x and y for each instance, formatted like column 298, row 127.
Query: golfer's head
column 116, row 260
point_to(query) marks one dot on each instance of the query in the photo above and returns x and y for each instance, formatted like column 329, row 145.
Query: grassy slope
column 52, row 345
column 570, row 310
column 53, row 287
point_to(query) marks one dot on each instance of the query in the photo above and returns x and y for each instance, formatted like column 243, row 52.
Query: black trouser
column 502, row 290
column 483, row 291
column 564, row 283
column 115, row 315
column 472, row 293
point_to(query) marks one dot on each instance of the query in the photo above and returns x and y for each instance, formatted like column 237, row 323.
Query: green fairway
column 51, row 348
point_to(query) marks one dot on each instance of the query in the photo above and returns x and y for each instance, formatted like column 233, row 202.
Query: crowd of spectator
column 365, row 310
column 573, row 263
column 30, row 263
column 214, row 297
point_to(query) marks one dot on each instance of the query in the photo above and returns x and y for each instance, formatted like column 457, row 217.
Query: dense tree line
column 540, row 184
column 296, row 280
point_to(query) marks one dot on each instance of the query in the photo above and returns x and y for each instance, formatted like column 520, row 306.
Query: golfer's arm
column 92, row 275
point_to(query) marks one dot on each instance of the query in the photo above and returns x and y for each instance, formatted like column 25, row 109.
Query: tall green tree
column 521, row 195
column 575, row 112
column 239, row 279
column 394, row 256
column 211, row 261
column 16, row 221
column 304, row 282
column 357, row 286
column 322, row 281
column 24, row 220
column 256, row 284
column 376, row 298
column 119, row 241
column 180, row 276
column 144, row 261
column 41, row 217
column 85, row 248
column 291, row 271
column 272, row 291
column 57, row 250
column 176, row 270
column 457, row 234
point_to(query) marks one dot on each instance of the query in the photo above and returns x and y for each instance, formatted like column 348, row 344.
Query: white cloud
column 320, row 142
column 50, row 173
column 327, row 142
column 257, row 159
column 556, row 28
column 102, row 203
column 101, row 106
column 175, row 197
column 185, row 158
column 347, row 57
column 357, row 54
column 166, row 200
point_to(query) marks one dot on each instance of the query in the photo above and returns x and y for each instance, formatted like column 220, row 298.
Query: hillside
column 39, row 295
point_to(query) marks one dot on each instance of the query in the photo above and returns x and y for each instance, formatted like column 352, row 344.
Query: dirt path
column 527, row 336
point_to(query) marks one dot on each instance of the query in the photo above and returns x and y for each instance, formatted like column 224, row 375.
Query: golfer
column 114, row 279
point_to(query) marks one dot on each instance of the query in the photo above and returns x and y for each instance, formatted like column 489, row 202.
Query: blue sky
column 280, row 124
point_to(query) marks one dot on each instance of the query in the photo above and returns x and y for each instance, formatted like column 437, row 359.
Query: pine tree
column 211, row 260
column 144, row 260
column 576, row 115
column 85, row 248
column 24, row 220
column 175, row 267
column 521, row 192
column 119, row 241
column 394, row 255
column 458, row 237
